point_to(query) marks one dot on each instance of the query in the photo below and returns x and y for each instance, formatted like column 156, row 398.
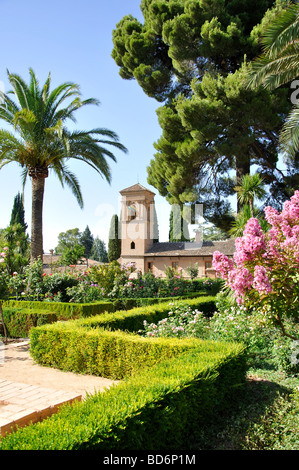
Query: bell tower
column 137, row 224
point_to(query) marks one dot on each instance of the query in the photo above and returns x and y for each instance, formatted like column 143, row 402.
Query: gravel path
column 17, row 365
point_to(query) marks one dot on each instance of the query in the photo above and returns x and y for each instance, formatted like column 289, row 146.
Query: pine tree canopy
column 194, row 57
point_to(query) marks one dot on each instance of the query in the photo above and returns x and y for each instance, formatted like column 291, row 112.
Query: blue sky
column 73, row 40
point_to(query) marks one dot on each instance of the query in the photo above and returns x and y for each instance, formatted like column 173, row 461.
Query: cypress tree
column 114, row 244
column 18, row 212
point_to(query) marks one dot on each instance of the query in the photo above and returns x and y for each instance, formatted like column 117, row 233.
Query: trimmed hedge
column 159, row 408
column 21, row 316
column 170, row 386
column 64, row 310
column 127, row 303
column 19, row 321
column 86, row 346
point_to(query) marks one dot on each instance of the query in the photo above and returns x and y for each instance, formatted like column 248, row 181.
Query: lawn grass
column 264, row 417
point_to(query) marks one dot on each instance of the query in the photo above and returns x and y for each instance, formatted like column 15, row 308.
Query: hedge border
column 64, row 310
column 161, row 408
column 158, row 406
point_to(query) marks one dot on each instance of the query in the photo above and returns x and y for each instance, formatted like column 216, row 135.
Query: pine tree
column 98, row 251
column 87, row 241
column 194, row 58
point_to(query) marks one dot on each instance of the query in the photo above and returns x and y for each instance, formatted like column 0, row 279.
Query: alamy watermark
column 295, row 94
column 2, row 90
column 140, row 221
column 295, row 352
column 2, row 352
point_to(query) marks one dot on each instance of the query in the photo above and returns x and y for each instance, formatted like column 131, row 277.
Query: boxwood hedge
column 168, row 386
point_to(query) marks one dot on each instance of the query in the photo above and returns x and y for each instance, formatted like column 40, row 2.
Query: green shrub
column 127, row 303
column 19, row 321
column 169, row 387
column 157, row 408
column 133, row 320
column 254, row 328
column 64, row 310
column 112, row 354
column 57, row 284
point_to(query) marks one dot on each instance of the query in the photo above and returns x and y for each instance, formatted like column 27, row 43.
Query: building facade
column 138, row 233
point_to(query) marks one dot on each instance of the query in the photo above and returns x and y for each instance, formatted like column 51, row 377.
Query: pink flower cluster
column 3, row 254
column 261, row 258
column 261, row 281
column 251, row 244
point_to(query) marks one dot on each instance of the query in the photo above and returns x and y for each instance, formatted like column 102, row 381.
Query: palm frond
column 282, row 31
column 66, row 176
column 8, row 108
column 279, row 63
column 21, row 90
column 289, row 137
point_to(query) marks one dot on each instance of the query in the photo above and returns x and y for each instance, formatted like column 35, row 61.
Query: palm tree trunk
column 251, row 207
column 242, row 168
column 38, row 176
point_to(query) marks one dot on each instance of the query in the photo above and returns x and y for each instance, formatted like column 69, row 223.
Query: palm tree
column 251, row 187
column 279, row 65
column 40, row 141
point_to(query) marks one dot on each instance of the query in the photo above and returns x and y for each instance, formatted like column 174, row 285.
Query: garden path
column 30, row 392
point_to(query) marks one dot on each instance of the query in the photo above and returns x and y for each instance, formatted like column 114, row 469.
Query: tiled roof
column 226, row 247
column 135, row 188
column 48, row 259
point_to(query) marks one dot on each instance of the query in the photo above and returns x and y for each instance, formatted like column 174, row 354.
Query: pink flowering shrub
column 264, row 271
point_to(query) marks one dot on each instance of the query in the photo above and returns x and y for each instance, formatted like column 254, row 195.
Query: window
column 133, row 246
column 150, row 267
column 208, row 264
column 132, row 212
column 175, row 265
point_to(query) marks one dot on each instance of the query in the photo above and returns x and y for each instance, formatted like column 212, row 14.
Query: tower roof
column 135, row 189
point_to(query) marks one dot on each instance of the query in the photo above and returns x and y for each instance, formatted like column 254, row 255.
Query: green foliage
column 194, row 57
column 251, row 188
column 98, row 251
column 72, row 256
column 64, row 311
column 278, row 66
column 68, row 239
column 87, row 241
column 38, row 139
column 105, row 275
column 59, row 283
column 181, row 321
column 85, row 292
column 277, row 429
column 192, row 270
column 157, row 408
column 19, row 321
column 170, row 386
column 241, row 219
column 115, row 282
column 114, row 243
column 17, row 245
column 18, row 212
column 34, row 280
column 255, row 329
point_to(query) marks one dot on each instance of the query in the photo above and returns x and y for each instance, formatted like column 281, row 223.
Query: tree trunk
column 242, row 168
column 3, row 324
column 251, row 207
column 38, row 176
